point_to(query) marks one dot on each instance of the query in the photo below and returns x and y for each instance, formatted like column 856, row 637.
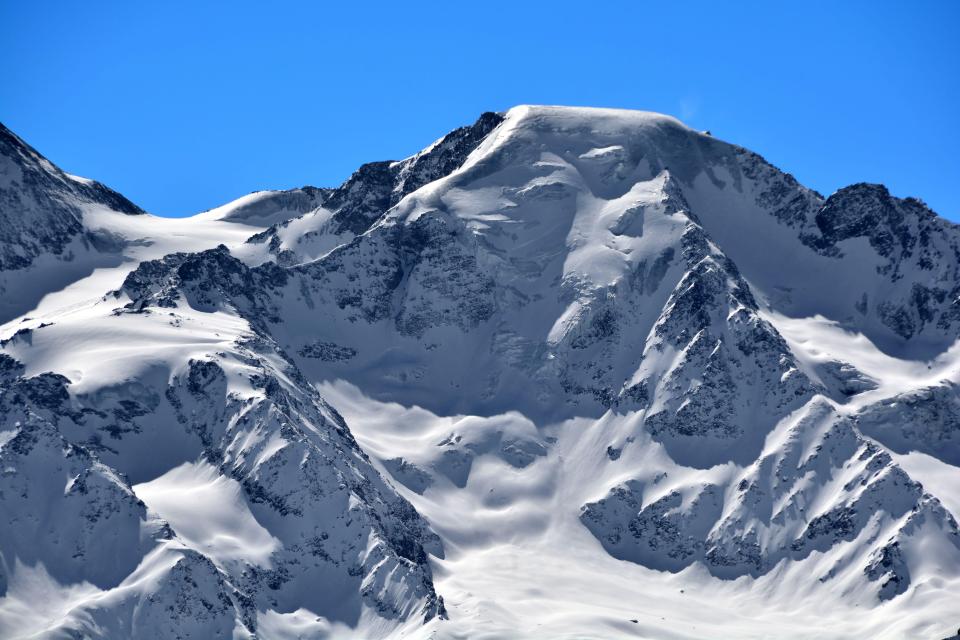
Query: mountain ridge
column 558, row 331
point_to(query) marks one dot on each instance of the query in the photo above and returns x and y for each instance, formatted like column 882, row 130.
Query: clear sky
column 183, row 107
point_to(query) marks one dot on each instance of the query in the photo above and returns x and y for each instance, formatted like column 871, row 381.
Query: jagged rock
column 551, row 314
column 40, row 206
column 844, row 380
column 750, row 537
column 926, row 420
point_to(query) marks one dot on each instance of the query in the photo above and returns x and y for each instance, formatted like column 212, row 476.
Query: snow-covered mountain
column 564, row 373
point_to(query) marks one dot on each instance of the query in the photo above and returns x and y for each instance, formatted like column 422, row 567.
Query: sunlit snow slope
column 565, row 373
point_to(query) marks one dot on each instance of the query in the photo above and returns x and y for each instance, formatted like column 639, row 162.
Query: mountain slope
column 42, row 204
column 594, row 373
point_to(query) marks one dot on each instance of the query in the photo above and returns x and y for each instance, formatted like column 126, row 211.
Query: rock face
column 374, row 188
column 41, row 206
column 587, row 324
column 911, row 241
column 300, row 473
column 925, row 419
column 761, row 517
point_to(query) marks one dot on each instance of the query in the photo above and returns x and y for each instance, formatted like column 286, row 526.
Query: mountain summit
column 565, row 371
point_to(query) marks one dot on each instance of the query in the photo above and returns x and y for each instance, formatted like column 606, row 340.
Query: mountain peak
column 569, row 114
column 16, row 152
column 559, row 354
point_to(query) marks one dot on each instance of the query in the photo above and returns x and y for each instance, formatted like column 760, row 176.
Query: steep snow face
column 602, row 370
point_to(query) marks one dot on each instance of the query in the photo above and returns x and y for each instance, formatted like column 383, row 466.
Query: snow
column 79, row 179
column 817, row 340
column 225, row 210
column 264, row 208
column 210, row 513
column 35, row 601
column 600, row 323
column 85, row 280
column 518, row 562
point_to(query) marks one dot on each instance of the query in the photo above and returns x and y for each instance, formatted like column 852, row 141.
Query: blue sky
column 184, row 107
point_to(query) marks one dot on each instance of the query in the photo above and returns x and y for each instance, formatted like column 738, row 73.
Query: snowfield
column 565, row 373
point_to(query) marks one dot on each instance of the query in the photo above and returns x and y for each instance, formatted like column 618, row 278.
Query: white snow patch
column 209, row 512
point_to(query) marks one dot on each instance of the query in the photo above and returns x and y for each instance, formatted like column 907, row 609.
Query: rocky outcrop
column 374, row 188
column 926, row 420
column 550, row 291
column 41, row 206
column 764, row 516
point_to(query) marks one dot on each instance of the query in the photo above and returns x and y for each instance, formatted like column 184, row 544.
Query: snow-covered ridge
column 42, row 205
column 268, row 207
column 567, row 371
